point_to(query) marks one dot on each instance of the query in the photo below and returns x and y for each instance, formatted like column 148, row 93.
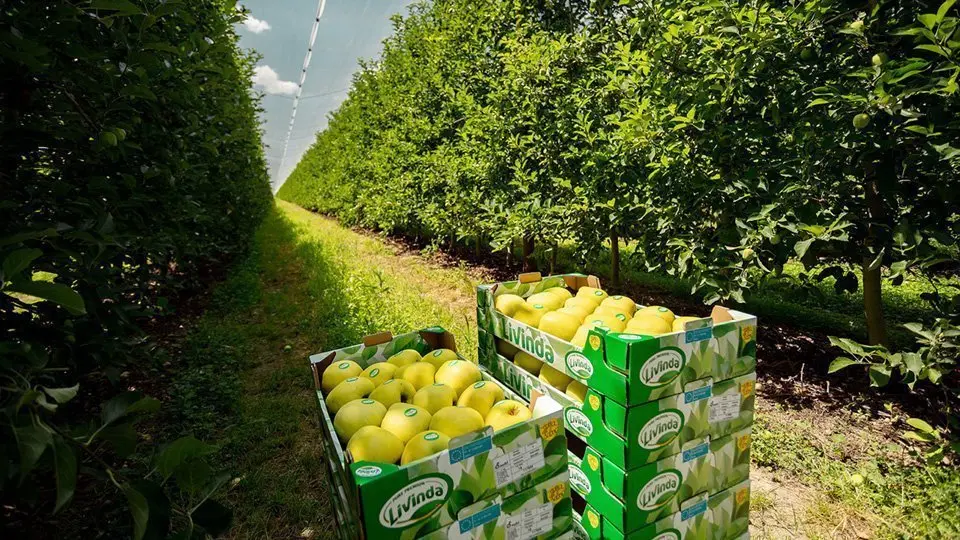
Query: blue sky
column 279, row 30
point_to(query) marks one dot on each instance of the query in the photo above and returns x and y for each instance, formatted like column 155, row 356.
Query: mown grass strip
column 311, row 285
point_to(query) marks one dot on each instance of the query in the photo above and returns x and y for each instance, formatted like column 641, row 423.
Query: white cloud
column 255, row 25
column 266, row 78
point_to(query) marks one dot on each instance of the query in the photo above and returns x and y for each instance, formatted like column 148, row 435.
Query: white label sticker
column 518, row 463
column 530, row 523
column 724, row 407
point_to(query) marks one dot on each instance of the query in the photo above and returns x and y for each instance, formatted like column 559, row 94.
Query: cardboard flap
column 593, row 281
column 319, row 366
column 376, row 339
column 720, row 314
column 530, row 277
column 439, row 340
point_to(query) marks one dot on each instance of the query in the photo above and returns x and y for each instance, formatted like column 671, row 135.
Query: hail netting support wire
column 303, row 77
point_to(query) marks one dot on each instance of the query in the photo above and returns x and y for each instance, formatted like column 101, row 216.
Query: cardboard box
column 629, row 369
column 393, row 501
column 634, row 499
column 723, row 516
column 543, row 512
column 634, row 436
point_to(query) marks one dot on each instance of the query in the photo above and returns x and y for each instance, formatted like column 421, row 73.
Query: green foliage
column 131, row 165
column 718, row 137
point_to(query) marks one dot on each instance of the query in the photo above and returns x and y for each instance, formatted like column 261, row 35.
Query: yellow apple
column 424, row 444
column 440, row 357
column 419, row 374
column 435, row 397
column 507, row 413
column 379, row 373
column 405, row 422
column 404, row 358
column 578, row 312
column 621, row 303
column 338, row 372
column 526, row 361
column 611, row 311
column 658, row 311
column 356, row 414
column 458, row 374
column 373, row 443
column 393, row 391
column 587, row 303
column 481, row 396
column 590, row 292
column 613, row 323
column 347, row 391
column 508, row 304
column 679, row 324
column 554, row 378
column 580, row 338
column 456, row 421
column 559, row 325
column 549, row 301
column 562, row 293
column 530, row 314
column 577, row 391
column 649, row 325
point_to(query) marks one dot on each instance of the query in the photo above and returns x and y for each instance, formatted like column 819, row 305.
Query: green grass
column 314, row 286
column 859, row 474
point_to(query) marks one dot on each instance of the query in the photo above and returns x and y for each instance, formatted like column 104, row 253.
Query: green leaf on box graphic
column 459, row 499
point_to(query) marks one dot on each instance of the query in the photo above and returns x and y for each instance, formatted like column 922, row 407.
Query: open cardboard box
column 629, row 369
column 631, row 437
column 393, row 501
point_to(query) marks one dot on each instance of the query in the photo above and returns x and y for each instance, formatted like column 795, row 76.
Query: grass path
column 311, row 285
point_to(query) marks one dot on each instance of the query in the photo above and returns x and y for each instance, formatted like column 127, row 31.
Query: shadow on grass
column 247, row 385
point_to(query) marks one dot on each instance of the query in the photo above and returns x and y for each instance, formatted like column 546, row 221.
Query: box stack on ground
column 405, row 467
column 660, row 412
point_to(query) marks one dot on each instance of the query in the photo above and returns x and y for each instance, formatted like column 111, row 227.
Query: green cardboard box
column 634, row 499
column 392, row 501
column 631, row 437
column 627, row 368
column 723, row 516
column 543, row 512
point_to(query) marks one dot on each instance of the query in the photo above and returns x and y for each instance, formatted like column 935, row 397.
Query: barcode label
column 530, row 523
column 518, row 463
column 724, row 407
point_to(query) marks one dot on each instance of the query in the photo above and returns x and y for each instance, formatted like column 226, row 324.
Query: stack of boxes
column 661, row 442
column 513, row 483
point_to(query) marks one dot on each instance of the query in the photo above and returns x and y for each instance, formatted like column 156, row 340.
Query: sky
column 279, row 30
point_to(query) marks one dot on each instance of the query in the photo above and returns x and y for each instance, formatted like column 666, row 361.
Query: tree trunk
column 478, row 241
column 553, row 259
column 614, row 258
column 872, row 280
column 873, row 304
column 510, row 253
column 529, row 262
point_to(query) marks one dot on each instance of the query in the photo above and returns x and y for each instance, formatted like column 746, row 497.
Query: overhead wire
column 321, row 4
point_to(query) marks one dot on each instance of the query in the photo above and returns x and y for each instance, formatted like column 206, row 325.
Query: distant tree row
column 723, row 138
